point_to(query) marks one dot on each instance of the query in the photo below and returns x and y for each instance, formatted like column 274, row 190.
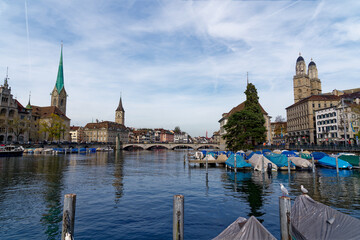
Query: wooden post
column 206, row 166
column 285, row 209
column 313, row 163
column 79, row 149
column 68, row 215
column 263, row 166
column 288, row 166
column 235, row 169
column 178, row 217
column 337, row 165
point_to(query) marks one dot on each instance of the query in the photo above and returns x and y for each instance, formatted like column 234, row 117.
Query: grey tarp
column 300, row 162
column 243, row 229
column 314, row 220
column 256, row 162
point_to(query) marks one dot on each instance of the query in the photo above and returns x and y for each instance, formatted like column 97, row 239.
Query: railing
column 314, row 148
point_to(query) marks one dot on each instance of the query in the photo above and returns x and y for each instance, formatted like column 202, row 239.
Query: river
column 129, row 195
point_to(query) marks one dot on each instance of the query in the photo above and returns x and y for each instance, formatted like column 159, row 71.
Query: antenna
column 247, row 77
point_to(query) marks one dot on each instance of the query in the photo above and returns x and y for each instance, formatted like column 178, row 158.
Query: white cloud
column 177, row 63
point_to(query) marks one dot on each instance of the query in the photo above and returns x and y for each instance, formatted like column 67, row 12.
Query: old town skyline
column 191, row 68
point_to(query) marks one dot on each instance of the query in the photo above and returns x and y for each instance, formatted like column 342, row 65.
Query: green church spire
column 60, row 77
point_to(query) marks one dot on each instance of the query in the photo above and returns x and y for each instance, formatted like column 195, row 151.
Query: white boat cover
column 209, row 158
column 314, row 220
column 199, row 155
column 301, row 162
column 243, row 229
column 256, row 162
column 222, row 157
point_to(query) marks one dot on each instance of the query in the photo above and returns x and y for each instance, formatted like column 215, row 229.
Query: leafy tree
column 177, row 130
column 54, row 127
column 246, row 127
column 18, row 126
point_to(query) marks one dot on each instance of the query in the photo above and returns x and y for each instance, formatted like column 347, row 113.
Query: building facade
column 225, row 116
column 105, row 132
column 278, row 133
column 76, row 134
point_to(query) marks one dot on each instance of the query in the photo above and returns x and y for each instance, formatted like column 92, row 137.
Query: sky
column 174, row 63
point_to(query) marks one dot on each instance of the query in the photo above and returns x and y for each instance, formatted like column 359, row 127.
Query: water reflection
column 250, row 186
column 118, row 174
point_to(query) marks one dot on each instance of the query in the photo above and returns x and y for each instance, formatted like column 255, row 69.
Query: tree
column 18, row 126
column 246, row 127
column 279, row 118
column 54, row 127
column 177, row 130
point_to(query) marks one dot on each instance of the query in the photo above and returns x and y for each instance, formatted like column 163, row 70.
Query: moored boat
column 11, row 151
column 330, row 162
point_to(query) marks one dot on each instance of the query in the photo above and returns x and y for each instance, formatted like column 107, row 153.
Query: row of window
column 333, row 135
column 326, row 122
column 319, row 105
column 328, row 128
column 333, row 114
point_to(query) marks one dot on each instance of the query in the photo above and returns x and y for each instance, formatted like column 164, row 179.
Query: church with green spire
column 58, row 95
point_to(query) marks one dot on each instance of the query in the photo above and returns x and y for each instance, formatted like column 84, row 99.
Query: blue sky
column 176, row 63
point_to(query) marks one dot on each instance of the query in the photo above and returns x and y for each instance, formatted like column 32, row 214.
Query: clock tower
column 120, row 114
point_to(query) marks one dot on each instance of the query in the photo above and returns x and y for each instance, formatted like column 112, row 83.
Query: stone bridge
column 170, row 146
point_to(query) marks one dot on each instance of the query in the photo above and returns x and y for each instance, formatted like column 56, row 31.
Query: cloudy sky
column 176, row 63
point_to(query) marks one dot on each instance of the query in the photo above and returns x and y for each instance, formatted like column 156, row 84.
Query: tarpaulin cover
column 300, row 162
column 290, row 154
column 353, row 160
column 331, row 162
column 240, row 162
column 305, row 155
column 256, row 162
column 243, row 229
column 252, row 153
column 314, row 220
column 209, row 157
column 318, row 155
column 279, row 159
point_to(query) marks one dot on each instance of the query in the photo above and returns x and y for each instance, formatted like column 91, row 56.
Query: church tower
column 301, row 81
column 58, row 95
column 120, row 114
column 314, row 79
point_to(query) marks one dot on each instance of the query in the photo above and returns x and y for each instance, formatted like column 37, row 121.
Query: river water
column 129, row 195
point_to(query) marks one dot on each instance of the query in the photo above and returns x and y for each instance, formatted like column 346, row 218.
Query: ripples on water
column 129, row 195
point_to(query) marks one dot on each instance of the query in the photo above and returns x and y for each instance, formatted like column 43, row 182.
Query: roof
column 105, row 124
column 300, row 58
column 312, row 64
column 45, row 112
column 240, row 107
column 60, row 77
column 120, row 107
column 322, row 97
column 74, row 128
column 20, row 107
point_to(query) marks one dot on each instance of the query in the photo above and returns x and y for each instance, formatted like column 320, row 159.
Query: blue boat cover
column 252, row 153
column 280, row 160
column 290, row 154
column 240, row 162
column 331, row 162
column 318, row 155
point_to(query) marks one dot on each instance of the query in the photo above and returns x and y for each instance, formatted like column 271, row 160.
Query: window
column 319, row 105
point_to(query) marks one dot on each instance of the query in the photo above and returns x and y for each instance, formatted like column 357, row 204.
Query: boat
column 330, row 162
column 243, row 228
column 352, row 159
column 301, row 163
column 11, row 151
column 257, row 162
column 313, row 220
column 280, row 160
column 240, row 162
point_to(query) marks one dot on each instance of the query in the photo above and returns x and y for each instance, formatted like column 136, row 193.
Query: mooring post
column 178, row 217
column 206, row 166
column 313, row 163
column 337, row 165
column 263, row 166
column 285, row 209
column 68, row 216
column 235, row 169
column 288, row 166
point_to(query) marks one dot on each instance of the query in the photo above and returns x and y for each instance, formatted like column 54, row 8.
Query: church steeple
column 58, row 95
column 120, row 113
column 60, row 77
